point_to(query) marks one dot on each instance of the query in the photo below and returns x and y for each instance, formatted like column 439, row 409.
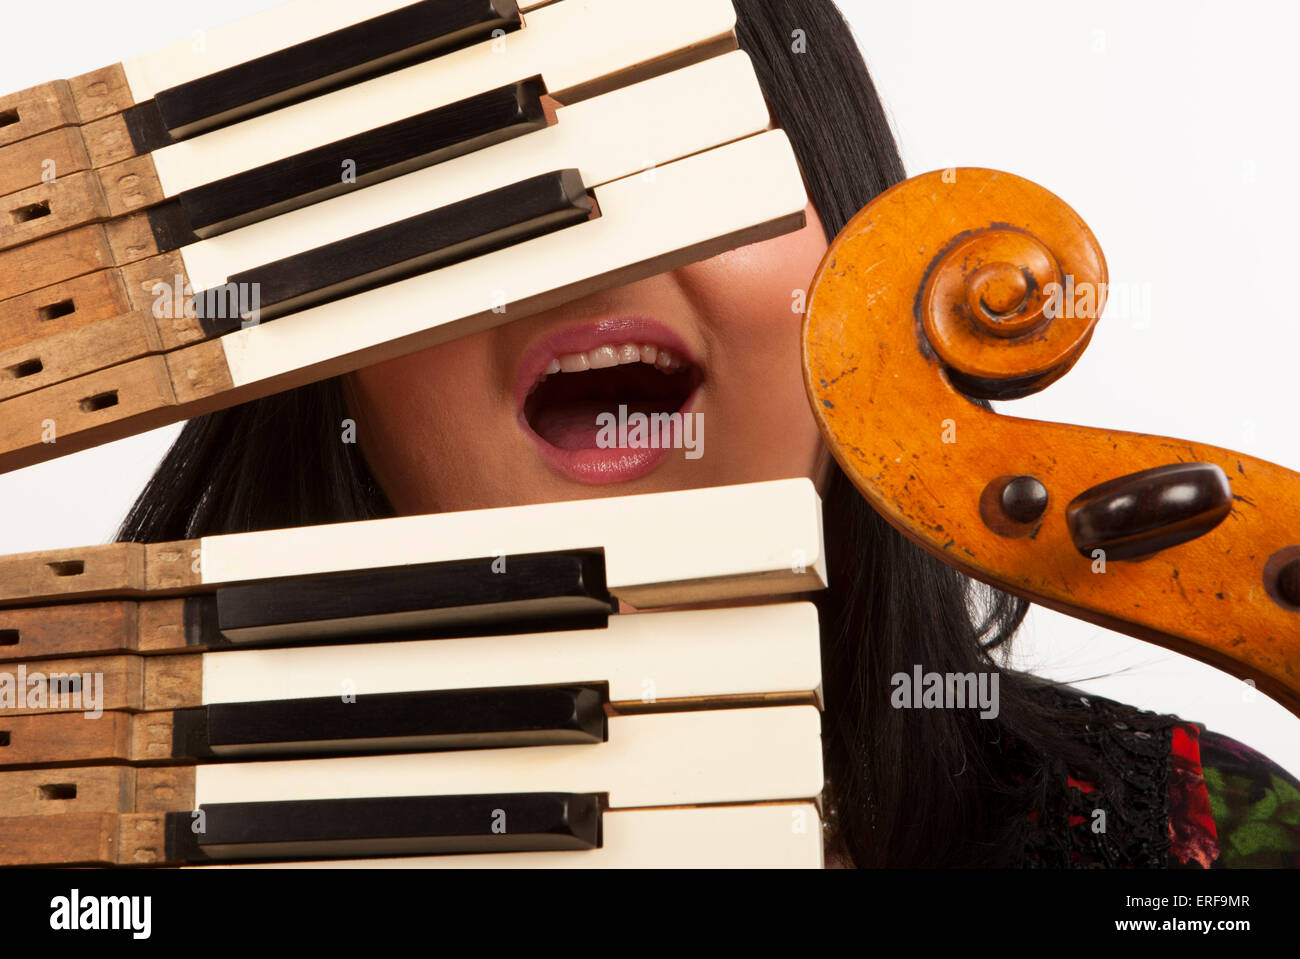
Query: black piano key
column 450, row 234
column 146, row 128
column 201, row 629
column 199, row 622
column 170, row 226
column 415, row 32
column 385, row 826
column 394, row 722
column 379, row 154
column 536, row 590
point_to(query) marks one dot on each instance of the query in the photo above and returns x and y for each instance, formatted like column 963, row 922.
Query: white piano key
column 660, row 548
column 569, row 43
column 649, row 657
column 605, row 138
column 766, row 836
column 652, row 222
column 658, row 759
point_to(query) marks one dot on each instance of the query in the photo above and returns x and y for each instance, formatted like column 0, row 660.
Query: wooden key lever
column 972, row 283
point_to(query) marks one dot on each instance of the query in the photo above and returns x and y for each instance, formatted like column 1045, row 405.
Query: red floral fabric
column 1194, row 839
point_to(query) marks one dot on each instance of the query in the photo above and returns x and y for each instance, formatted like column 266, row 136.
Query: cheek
column 401, row 391
column 416, row 415
column 754, row 298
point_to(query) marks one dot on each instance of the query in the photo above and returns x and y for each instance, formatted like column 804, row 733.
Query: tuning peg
column 1134, row 516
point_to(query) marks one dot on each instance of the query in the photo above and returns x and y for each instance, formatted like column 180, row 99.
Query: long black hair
column 922, row 787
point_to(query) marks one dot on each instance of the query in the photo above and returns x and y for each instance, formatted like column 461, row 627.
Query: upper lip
column 587, row 336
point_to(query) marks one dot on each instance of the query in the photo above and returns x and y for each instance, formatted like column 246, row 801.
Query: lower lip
column 598, row 467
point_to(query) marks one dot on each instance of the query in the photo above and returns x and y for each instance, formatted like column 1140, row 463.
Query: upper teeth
column 603, row 357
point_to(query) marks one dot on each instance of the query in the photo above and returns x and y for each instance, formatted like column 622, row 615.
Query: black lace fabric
column 1124, row 821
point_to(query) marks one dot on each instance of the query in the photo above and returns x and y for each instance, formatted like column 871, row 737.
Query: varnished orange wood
column 924, row 455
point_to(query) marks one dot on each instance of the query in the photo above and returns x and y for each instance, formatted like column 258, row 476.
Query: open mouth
column 566, row 402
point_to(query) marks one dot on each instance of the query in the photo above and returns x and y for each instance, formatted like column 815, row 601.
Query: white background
column 1167, row 124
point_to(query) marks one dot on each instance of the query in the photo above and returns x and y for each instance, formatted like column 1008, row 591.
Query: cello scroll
column 976, row 283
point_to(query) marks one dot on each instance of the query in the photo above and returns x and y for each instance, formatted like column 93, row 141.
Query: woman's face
column 479, row 423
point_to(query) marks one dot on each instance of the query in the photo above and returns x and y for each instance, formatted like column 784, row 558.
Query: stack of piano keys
column 447, row 690
column 296, row 196
column 208, row 224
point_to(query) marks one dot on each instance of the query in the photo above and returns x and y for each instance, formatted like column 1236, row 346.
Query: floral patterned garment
column 1171, row 795
column 1229, row 806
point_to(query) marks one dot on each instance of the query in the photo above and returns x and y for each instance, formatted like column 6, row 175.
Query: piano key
column 608, row 137
column 766, row 835
column 577, row 47
column 653, row 759
column 758, row 836
column 306, row 69
column 759, row 655
column 289, row 29
column 190, row 625
column 682, row 759
column 462, row 597
column 693, row 659
column 689, row 210
column 567, row 46
column 273, row 57
column 424, row 721
column 409, row 247
column 661, row 549
column 656, row 759
column 510, row 822
column 377, row 155
column 365, row 827
column 397, row 722
column 615, row 135
column 76, row 199
column 535, row 591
